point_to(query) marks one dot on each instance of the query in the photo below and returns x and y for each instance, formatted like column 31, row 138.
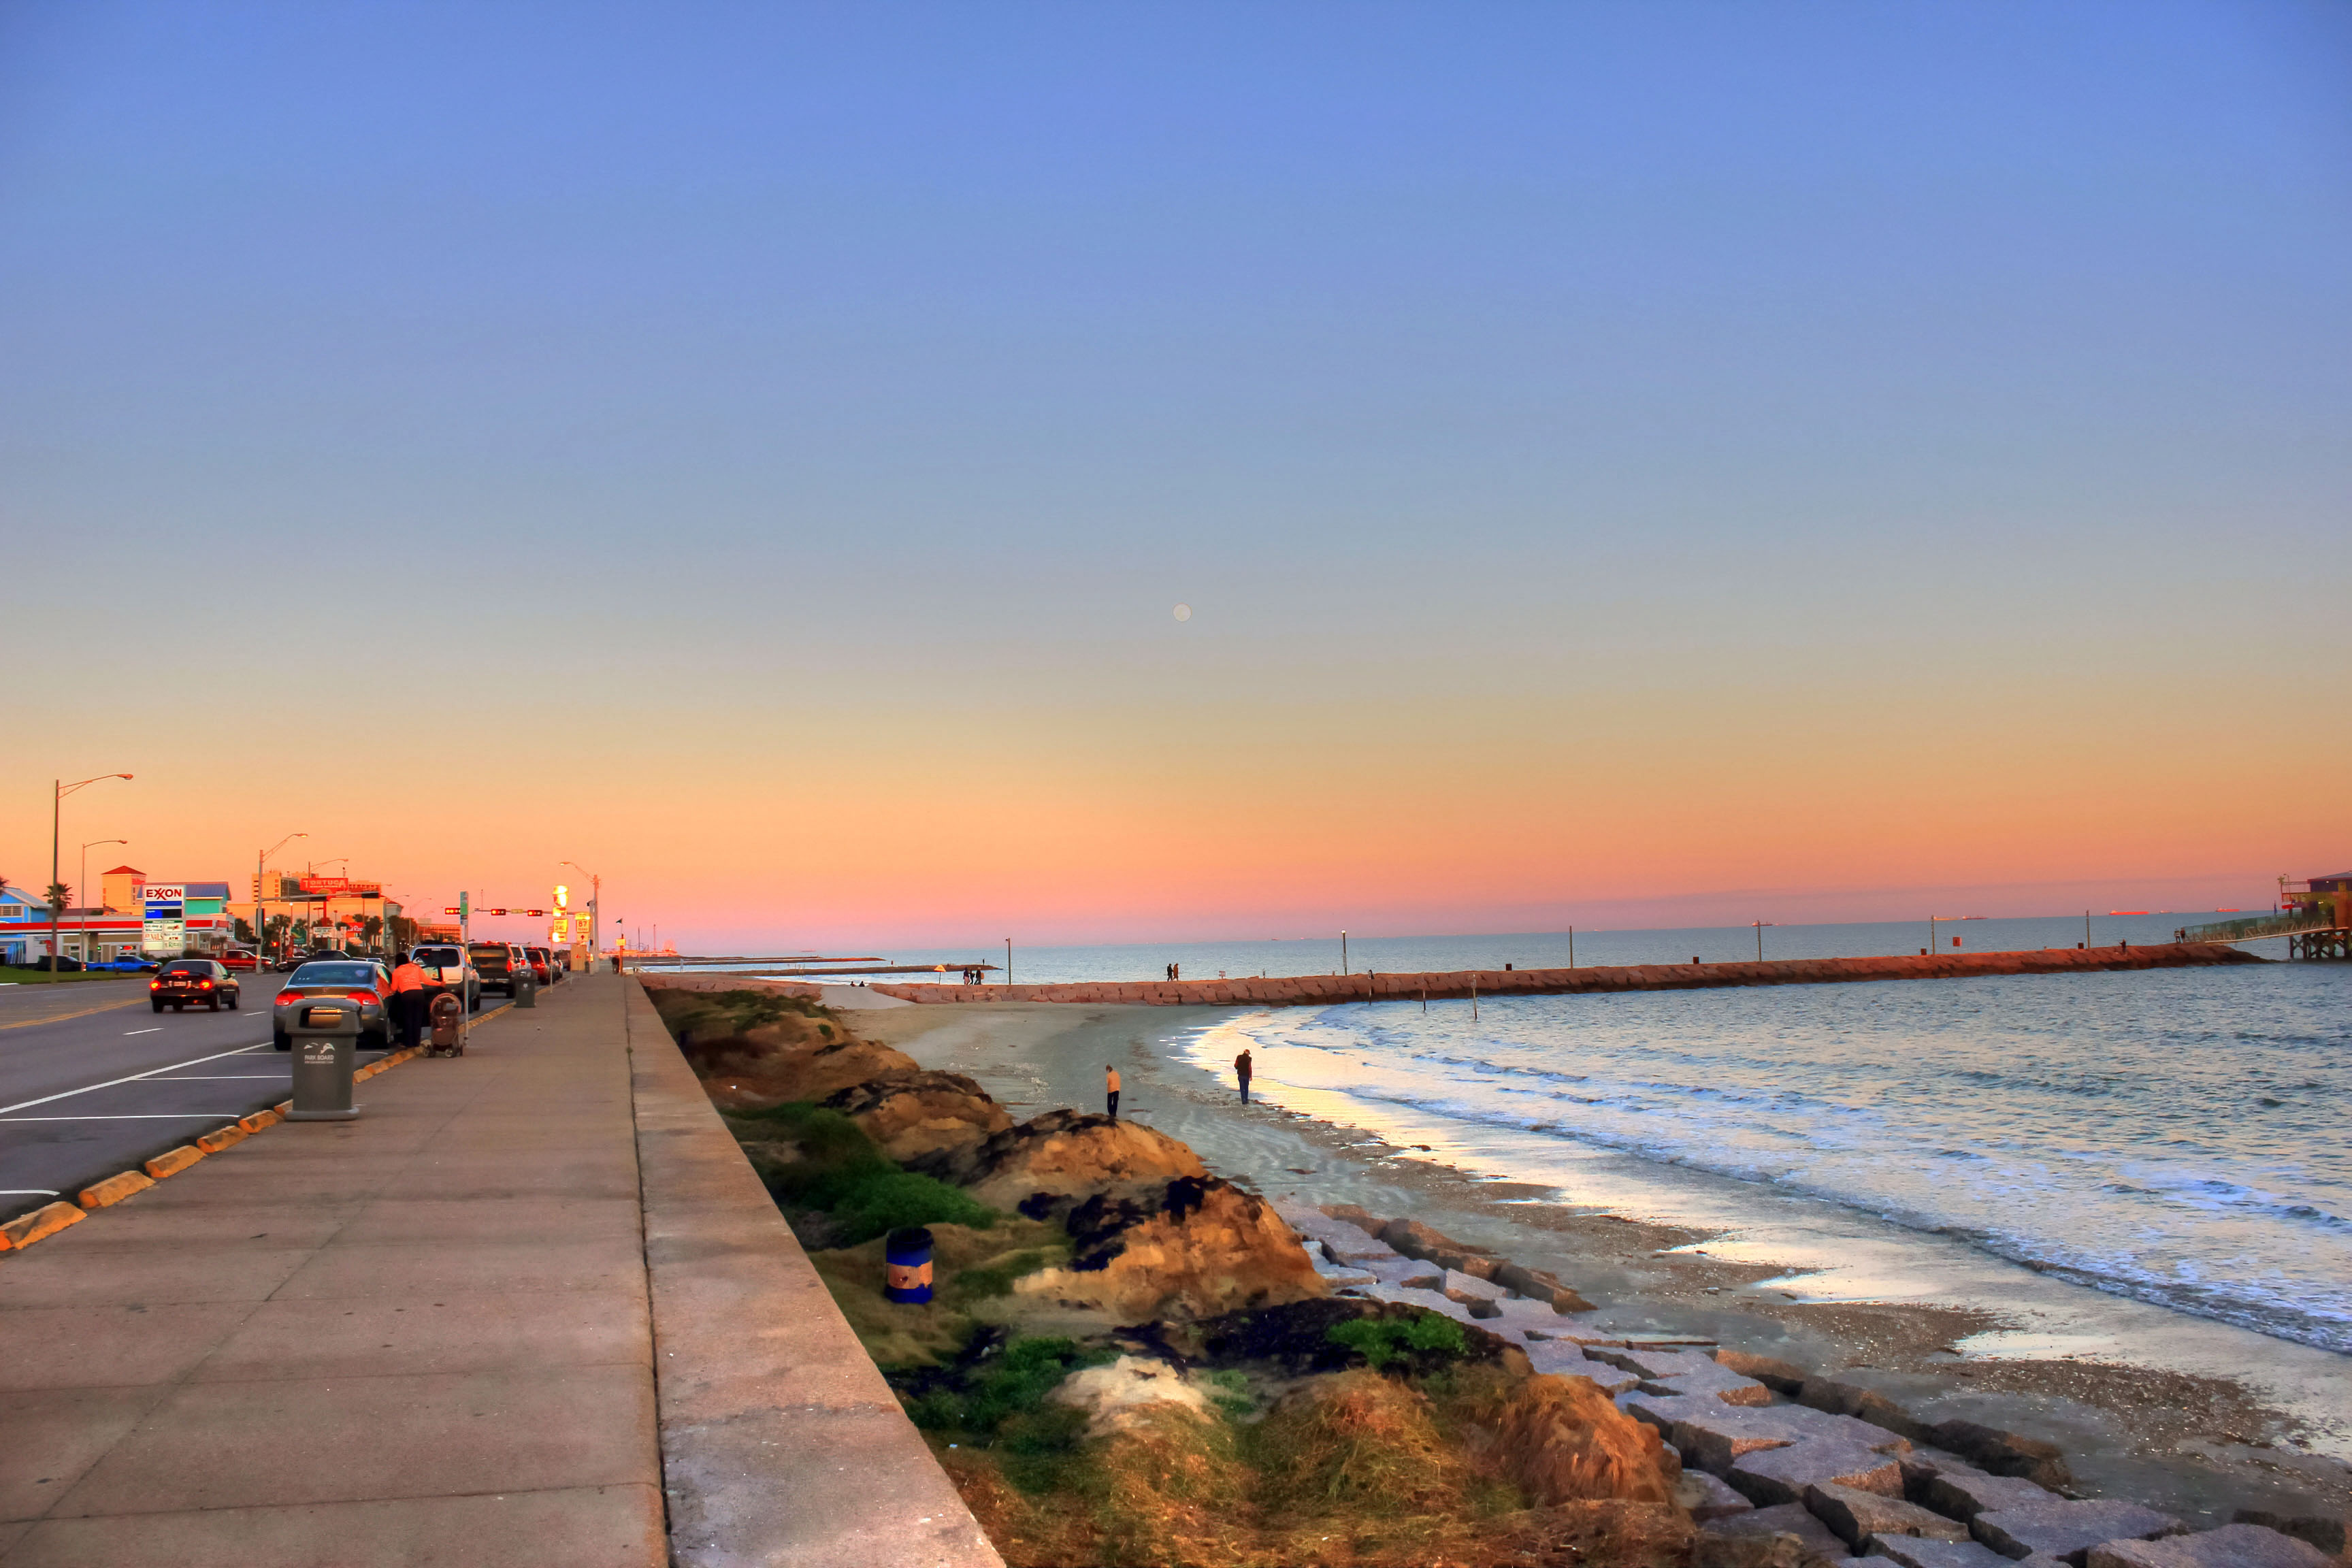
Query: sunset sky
column 1641, row 464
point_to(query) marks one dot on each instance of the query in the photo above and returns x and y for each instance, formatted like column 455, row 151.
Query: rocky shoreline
column 1159, row 1276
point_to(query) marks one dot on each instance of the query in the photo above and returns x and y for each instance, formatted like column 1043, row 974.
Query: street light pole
column 58, row 790
column 85, row 893
column 260, row 900
column 1008, row 961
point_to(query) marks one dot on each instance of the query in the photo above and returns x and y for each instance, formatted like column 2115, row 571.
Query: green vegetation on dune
column 839, row 1170
column 708, row 1013
column 1380, row 1341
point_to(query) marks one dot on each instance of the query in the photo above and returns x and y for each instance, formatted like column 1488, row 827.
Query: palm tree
column 60, row 898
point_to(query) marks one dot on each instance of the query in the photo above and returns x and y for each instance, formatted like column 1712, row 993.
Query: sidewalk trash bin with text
column 326, row 1036
column 526, row 992
column 448, row 1016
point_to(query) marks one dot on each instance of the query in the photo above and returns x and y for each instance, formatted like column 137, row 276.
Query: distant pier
column 1309, row 990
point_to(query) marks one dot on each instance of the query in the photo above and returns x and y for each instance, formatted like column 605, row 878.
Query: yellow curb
column 171, row 1161
column 222, row 1138
column 259, row 1120
column 86, row 1012
column 26, row 1230
column 114, row 1189
column 284, row 1108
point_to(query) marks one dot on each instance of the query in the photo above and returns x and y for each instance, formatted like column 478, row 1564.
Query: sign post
column 164, row 931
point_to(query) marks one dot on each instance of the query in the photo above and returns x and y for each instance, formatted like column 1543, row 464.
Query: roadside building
column 135, row 913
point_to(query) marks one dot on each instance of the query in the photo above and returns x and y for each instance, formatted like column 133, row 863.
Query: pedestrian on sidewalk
column 1110, row 1088
column 408, row 1000
column 1242, row 1071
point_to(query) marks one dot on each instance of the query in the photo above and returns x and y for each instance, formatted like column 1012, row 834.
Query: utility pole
column 1343, row 952
column 1008, row 961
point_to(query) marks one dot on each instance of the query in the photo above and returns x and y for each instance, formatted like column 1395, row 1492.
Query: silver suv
column 446, row 969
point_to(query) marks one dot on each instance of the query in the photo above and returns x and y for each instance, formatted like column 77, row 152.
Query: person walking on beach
column 1242, row 1071
column 1111, row 1088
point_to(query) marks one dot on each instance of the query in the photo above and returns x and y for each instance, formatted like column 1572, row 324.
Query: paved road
column 112, row 1083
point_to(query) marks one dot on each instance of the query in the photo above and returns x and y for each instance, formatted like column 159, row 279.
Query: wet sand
column 2133, row 1423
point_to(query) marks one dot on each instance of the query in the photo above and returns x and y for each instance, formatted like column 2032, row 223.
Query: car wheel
column 474, row 1003
column 156, row 1002
column 376, row 1042
column 281, row 1039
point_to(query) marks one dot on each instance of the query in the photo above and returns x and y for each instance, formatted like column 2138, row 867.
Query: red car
column 542, row 964
column 240, row 958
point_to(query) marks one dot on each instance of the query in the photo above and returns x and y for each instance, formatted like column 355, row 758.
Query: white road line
column 225, row 1077
column 156, row 1030
column 28, row 1192
column 174, row 1116
column 134, row 1078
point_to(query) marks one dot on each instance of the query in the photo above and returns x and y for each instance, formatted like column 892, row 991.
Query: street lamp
column 260, row 873
column 61, row 789
column 595, row 912
column 85, row 893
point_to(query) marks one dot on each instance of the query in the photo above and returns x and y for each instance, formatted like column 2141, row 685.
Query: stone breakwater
column 1310, row 989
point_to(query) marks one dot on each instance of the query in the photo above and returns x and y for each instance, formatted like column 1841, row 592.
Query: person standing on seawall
column 1242, row 1071
column 1111, row 1088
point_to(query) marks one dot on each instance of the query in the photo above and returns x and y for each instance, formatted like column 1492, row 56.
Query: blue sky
column 875, row 372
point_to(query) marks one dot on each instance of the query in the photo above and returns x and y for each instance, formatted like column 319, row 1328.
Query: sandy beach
column 2194, row 1418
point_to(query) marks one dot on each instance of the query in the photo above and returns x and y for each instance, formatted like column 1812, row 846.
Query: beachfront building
column 20, row 914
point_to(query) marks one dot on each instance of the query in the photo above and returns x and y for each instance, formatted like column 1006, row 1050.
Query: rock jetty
column 1312, row 990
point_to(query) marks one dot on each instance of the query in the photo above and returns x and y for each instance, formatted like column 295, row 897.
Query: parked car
column 184, row 981
column 61, row 966
column 241, row 958
column 542, row 966
column 497, row 962
column 126, row 963
column 361, row 980
column 446, row 969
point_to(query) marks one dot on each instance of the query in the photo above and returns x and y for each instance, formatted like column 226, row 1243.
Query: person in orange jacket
column 408, row 1000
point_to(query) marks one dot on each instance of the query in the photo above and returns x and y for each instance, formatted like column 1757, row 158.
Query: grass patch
column 841, row 1172
column 17, row 974
column 1383, row 1340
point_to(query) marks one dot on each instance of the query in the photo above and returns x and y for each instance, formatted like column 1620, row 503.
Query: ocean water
column 2173, row 1136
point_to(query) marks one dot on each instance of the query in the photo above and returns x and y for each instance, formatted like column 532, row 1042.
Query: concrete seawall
column 1307, row 990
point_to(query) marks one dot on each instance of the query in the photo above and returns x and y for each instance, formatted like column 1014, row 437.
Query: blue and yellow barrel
column 907, row 1254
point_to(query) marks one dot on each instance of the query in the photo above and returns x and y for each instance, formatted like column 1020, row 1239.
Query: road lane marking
column 225, row 1077
column 156, row 1030
column 86, row 1012
column 134, row 1078
column 28, row 1192
column 157, row 1116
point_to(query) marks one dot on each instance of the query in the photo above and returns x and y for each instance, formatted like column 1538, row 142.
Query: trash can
column 526, row 991
column 325, row 1034
column 448, row 1016
column 906, row 1254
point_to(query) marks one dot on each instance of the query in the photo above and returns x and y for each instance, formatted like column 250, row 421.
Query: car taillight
column 363, row 997
column 206, row 984
column 154, row 985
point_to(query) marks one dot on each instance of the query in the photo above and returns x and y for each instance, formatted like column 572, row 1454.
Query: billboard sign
column 339, row 886
column 164, row 928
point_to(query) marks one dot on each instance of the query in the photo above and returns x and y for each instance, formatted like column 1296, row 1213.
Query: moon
column 1183, row 612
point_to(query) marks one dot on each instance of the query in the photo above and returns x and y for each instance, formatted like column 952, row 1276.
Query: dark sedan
column 360, row 980
column 186, row 982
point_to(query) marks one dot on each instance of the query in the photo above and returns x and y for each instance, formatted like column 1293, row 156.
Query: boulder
column 1339, row 1275
column 1814, row 1544
column 1409, row 1272
column 2002, row 1453
column 1048, row 1164
column 1537, row 1285
column 922, row 1120
column 1779, row 1377
column 2067, row 1529
column 1859, row 1516
column 1478, row 1295
column 1350, row 1213
column 1963, row 1495
column 1719, row 1382
column 2231, row 1546
column 1565, row 1443
column 2324, row 1531
column 1655, row 1364
column 1126, row 1394
column 1704, row 1497
column 1771, row 1476
column 1414, row 1239
column 1552, row 1357
column 1925, row 1552
column 1864, row 1405
column 1198, row 1247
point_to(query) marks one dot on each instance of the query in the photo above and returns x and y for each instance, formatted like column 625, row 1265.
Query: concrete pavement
column 471, row 1327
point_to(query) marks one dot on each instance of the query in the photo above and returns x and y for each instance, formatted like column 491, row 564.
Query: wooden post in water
column 1571, row 947
column 1474, row 998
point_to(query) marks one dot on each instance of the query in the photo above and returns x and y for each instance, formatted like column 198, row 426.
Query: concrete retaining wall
column 1312, row 989
column 781, row 1443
